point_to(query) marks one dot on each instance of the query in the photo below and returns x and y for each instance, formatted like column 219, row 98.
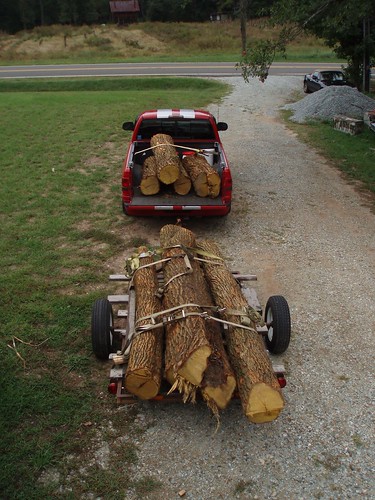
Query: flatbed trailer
column 113, row 325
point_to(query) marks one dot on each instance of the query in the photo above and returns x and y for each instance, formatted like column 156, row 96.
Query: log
column 213, row 179
column 187, row 348
column 219, row 382
column 197, row 175
column 183, row 184
column 167, row 159
column 257, row 384
column 144, row 371
column 149, row 183
column 206, row 180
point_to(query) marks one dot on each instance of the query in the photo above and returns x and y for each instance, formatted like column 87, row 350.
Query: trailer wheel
column 277, row 318
column 102, row 328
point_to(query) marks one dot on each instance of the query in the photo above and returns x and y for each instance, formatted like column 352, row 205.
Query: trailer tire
column 102, row 329
column 277, row 318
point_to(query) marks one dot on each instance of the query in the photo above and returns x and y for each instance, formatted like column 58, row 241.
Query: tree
column 344, row 25
column 243, row 19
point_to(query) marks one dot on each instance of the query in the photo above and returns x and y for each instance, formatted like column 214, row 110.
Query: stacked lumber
column 165, row 167
column 196, row 356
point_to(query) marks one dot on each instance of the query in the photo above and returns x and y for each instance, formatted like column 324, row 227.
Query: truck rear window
column 181, row 129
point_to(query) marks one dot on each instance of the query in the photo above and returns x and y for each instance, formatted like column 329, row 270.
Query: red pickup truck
column 195, row 129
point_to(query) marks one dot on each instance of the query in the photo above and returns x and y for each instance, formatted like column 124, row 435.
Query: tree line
column 28, row 14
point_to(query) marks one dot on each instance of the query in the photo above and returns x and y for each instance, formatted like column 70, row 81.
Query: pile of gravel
column 329, row 102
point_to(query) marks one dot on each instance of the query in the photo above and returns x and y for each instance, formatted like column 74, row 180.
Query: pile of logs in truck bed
column 164, row 167
column 190, row 328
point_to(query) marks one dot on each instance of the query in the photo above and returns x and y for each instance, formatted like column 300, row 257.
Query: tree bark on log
column 257, row 384
column 219, row 382
column 167, row 159
column 144, row 371
column 206, row 180
column 187, row 348
column 183, row 184
column 149, row 183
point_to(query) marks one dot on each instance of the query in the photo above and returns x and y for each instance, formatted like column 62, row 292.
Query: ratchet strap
column 187, row 255
column 177, row 313
column 196, row 150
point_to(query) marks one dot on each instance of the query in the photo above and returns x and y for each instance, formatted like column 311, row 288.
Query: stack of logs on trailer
column 192, row 353
column 164, row 166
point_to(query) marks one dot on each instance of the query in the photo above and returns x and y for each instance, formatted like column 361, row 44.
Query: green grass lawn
column 61, row 220
column 353, row 155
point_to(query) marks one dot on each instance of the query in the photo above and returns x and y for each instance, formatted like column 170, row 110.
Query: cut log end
column 169, row 174
column 182, row 185
column 141, row 384
column 150, row 186
column 264, row 404
column 193, row 369
column 150, row 182
column 221, row 394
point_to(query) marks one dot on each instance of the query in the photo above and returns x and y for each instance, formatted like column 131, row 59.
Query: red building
column 124, row 11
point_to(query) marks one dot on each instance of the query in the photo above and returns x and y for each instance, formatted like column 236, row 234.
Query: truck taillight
column 226, row 183
column 126, row 186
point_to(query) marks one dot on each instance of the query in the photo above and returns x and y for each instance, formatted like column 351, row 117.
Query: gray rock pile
column 329, row 102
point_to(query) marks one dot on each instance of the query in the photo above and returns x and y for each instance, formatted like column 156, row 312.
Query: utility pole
column 41, row 12
column 366, row 56
column 243, row 18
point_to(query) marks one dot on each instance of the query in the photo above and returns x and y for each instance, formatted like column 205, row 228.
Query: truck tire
column 277, row 318
column 102, row 329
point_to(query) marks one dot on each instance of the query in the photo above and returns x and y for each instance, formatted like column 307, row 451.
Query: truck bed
column 167, row 199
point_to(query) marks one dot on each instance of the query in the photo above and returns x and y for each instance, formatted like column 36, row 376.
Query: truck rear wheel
column 277, row 318
column 102, row 329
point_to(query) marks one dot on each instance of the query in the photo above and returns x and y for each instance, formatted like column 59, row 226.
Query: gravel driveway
column 309, row 236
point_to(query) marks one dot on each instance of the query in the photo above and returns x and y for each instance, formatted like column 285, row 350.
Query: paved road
column 139, row 69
